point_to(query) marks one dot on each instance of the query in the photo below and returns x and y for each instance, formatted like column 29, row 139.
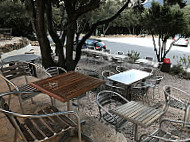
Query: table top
column 129, row 77
column 20, row 57
column 66, row 86
column 138, row 113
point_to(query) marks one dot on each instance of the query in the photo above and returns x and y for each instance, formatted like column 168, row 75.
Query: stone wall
column 13, row 45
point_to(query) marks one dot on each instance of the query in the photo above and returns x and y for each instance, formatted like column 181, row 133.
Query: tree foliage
column 165, row 22
column 13, row 15
column 40, row 12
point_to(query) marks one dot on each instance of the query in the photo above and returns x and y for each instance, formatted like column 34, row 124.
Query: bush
column 133, row 55
column 13, row 15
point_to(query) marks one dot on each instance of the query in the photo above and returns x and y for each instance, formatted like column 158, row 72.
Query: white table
column 129, row 77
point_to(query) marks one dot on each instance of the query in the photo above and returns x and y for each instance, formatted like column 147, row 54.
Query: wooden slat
column 33, row 129
column 43, row 127
column 64, row 118
column 63, row 123
column 70, row 85
column 138, row 113
column 54, row 125
column 28, row 136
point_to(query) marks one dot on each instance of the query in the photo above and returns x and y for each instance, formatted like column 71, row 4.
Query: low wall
column 14, row 44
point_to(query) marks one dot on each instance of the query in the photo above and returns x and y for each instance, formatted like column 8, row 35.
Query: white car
column 181, row 41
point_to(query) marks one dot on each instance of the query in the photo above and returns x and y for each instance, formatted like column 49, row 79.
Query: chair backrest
column 107, row 97
column 149, row 58
column 150, row 70
column 107, row 73
column 55, row 70
column 107, row 51
column 38, row 127
column 176, row 97
column 13, row 70
column 158, row 79
column 121, row 68
column 120, row 53
column 139, row 89
column 107, row 101
column 168, row 131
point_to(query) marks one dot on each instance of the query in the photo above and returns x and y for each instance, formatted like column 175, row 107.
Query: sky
column 148, row 3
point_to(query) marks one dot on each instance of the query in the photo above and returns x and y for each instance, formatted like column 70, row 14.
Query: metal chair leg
column 15, row 136
column 20, row 101
column 9, row 101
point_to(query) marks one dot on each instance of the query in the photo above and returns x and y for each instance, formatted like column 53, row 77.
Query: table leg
column 127, row 93
column 69, row 106
column 136, row 132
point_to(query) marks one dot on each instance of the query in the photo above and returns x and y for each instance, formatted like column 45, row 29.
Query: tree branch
column 93, row 28
column 88, row 7
column 53, row 34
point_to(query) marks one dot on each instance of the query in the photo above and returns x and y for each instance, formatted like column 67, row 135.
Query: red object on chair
column 166, row 60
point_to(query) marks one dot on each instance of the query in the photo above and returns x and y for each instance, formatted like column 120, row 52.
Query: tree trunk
column 154, row 43
column 45, row 48
column 55, row 37
column 70, row 64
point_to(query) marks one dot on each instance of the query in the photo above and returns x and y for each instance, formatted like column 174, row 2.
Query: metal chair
column 121, row 69
column 111, row 84
column 47, row 123
column 55, row 70
column 173, row 132
column 120, row 53
column 147, row 69
column 149, row 58
column 177, row 98
column 107, row 101
column 140, row 90
column 154, row 83
column 107, row 51
column 13, row 70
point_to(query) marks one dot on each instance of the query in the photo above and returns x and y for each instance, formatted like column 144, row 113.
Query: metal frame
column 140, row 89
column 26, row 87
column 171, row 98
column 55, row 70
column 101, row 107
column 153, row 135
column 154, row 82
column 119, row 68
column 109, row 83
column 15, row 123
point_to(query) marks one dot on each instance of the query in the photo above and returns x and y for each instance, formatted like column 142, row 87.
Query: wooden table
column 66, row 86
column 139, row 114
column 128, row 78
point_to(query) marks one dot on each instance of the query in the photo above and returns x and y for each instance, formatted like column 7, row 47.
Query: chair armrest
column 169, row 140
column 38, row 115
column 173, row 121
column 40, row 68
column 9, row 82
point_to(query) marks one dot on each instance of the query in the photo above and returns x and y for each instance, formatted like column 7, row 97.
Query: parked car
column 181, row 41
column 94, row 44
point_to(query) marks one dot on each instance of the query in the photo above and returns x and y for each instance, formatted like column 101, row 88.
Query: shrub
column 133, row 55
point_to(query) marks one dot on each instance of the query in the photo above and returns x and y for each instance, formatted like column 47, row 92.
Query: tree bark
column 53, row 34
column 45, row 48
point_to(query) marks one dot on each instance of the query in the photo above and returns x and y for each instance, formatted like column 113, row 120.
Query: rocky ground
column 99, row 131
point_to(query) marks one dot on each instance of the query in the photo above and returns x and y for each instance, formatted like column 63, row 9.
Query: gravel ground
column 100, row 131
